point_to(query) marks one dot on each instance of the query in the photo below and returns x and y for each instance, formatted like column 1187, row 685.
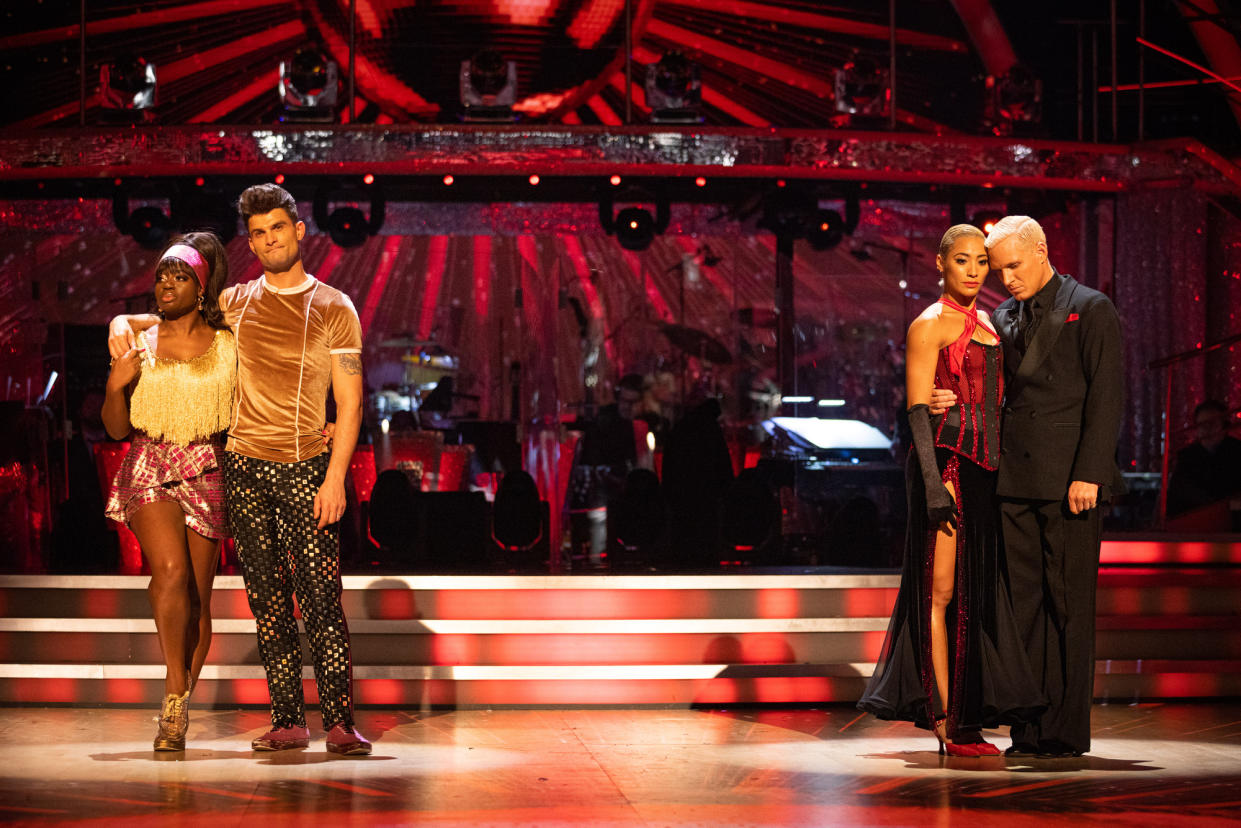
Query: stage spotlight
column 309, row 87
column 985, row 220
column 347, row 224
column 861, row 88
column 826, row 230
column 635, row 228
column 488, row 88
column 674, row 90
column 148, row 225
column 799, row 214
column 127, row 89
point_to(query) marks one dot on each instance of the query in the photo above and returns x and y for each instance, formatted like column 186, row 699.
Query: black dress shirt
column 1033, row 310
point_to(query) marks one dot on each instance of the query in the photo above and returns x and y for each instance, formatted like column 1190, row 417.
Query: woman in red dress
column 952, row 661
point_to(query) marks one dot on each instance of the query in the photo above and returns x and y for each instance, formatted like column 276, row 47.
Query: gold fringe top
column 184, row 400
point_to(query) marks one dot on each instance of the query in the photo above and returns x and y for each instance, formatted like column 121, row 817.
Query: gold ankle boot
column 174, row 720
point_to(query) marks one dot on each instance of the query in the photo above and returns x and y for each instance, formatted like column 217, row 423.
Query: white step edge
column 470, row 672
column 497, row 582
column 551, row 626
column 569, row 672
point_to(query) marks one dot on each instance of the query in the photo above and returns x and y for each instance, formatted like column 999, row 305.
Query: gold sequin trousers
column 282, row 553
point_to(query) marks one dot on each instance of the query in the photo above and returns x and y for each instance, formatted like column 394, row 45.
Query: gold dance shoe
column 174, row 721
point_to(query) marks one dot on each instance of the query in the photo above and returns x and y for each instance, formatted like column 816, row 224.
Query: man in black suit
column 1062, row 410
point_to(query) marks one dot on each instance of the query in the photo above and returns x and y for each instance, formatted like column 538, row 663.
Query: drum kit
column 425, row 364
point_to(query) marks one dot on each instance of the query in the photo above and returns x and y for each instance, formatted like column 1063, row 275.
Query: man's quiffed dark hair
column 263, row 198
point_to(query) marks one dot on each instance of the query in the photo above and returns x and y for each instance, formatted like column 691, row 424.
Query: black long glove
column 940, row 507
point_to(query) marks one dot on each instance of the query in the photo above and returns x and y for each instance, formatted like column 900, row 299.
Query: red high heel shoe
column 980, row 745
column 952, row 748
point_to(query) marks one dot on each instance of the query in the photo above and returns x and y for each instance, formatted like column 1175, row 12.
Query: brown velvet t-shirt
column 285, row 339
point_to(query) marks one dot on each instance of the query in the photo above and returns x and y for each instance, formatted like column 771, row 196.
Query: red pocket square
column 1072, row 318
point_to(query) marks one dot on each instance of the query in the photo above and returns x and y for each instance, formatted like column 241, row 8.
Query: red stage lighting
column 198, row 182
column 279, row 178
column 448, row 179
column 616, row 180
column 700, row 181
column 368, row 179
column 985, row 220
column 534, row 180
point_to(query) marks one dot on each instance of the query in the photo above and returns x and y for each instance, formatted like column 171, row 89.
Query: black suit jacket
column 1063, row 401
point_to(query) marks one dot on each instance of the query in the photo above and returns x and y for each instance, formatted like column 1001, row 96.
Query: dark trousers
column 1053, row 566
column 271, row 512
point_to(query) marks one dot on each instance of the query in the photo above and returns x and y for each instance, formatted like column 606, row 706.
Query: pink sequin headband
column 191, row 257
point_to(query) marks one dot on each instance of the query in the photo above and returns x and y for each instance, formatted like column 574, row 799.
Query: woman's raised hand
column 125, row 368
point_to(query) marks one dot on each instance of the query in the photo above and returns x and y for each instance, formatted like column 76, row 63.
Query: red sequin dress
column 990, row 681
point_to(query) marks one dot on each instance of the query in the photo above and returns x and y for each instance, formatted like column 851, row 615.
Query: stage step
column 564, row 640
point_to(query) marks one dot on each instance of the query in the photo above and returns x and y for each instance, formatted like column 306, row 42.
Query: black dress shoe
column 1020, row 751
column 1056, row 750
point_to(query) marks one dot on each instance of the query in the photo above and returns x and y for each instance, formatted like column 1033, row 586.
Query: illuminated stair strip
column 1164, row 631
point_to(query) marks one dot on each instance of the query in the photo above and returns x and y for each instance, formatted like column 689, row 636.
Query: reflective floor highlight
column 1157, row 764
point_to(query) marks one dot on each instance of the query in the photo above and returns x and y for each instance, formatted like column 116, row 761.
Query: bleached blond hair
column 1027, row 229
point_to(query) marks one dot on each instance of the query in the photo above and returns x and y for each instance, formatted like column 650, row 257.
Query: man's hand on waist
column 120, row 337
column 941, row 400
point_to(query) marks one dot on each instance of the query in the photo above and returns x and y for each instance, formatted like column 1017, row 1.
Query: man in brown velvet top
column 296, row 338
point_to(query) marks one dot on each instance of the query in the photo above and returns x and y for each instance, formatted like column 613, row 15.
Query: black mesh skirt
column 990, row 680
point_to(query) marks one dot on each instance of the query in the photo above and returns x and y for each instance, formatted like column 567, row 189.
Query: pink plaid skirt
column 191, row 476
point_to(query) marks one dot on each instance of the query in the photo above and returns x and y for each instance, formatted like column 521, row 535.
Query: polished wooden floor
column 1152, row 764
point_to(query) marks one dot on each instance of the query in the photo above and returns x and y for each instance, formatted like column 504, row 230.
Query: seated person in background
column 605, row 455
column 1209, row 469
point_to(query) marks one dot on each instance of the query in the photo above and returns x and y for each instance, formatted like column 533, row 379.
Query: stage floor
column 1157, row 764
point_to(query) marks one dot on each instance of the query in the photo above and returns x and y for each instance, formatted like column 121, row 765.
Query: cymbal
column 698, row 343
column 405, row 341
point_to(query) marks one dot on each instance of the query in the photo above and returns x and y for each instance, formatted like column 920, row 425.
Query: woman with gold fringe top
column 173, row 391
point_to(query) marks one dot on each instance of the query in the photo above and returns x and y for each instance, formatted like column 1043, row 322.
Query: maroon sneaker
column 346, row 741
column 283, row 738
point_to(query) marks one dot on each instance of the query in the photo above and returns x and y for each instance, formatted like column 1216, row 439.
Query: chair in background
column 637, row 521
column 392, row 519
column 751, row 518
column 519, row 522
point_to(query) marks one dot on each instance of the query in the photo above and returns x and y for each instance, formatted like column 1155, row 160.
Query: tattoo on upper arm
column 350, row 363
